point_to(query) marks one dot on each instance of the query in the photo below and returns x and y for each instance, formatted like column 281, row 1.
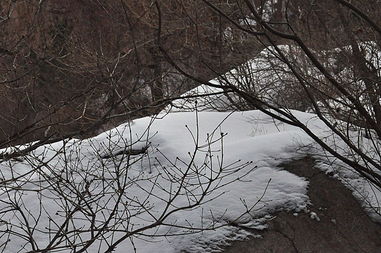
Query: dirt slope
column 343, row 225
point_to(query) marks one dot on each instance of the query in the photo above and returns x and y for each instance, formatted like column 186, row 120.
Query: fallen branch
column 127, row 152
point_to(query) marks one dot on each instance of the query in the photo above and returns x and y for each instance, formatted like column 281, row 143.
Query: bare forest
column 71, row 70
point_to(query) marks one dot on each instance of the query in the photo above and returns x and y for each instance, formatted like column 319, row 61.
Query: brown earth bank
column 342, row 225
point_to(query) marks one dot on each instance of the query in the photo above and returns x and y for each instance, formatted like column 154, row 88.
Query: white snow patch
column 232, row 139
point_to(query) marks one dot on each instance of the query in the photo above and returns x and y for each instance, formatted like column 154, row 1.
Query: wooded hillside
column 77, row 67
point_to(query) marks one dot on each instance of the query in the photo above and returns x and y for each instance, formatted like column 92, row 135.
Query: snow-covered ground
column 228, row 161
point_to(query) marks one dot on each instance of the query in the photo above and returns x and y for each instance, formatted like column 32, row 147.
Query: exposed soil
column 343, row 227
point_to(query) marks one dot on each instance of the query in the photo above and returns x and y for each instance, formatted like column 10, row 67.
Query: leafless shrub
column 94, row 194
column 320, row 56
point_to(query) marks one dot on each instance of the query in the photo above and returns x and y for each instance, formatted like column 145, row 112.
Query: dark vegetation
column 66, row 66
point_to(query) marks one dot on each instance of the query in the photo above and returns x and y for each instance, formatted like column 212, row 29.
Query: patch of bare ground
column 343, row 225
